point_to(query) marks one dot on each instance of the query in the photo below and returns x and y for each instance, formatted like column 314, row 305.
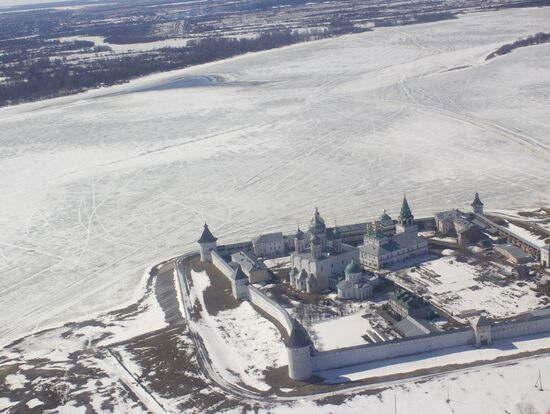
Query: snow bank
column 240, row 342
column 340, row 332
column 456, row 289
column 15, row 381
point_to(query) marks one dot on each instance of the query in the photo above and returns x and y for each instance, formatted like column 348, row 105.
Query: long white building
column 380, row 250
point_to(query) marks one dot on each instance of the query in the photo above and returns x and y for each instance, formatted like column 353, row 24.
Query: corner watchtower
column 207, row 243
column 298, row 349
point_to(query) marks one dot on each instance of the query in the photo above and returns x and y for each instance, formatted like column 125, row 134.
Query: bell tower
column 405, row 221
column 207, row 243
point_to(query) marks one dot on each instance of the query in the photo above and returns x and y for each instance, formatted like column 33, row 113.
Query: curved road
column 210, row 374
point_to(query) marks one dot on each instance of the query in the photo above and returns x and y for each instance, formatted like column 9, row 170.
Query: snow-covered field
column 453, row 287
column 449, row 356
column 142, row 47
column 341, row 332
column 241, row 343
column 512, row 391
column 95, row 187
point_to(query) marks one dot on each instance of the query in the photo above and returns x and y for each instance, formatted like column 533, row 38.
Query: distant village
column 425, row 282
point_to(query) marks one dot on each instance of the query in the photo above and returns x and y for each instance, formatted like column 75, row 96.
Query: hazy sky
column 4, row 3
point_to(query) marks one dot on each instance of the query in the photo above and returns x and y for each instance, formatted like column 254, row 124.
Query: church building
column 317, row 255
column 357, row 283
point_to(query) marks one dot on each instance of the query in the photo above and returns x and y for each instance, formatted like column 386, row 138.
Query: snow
column 35, row 402
column 525, row 234
column 458, row 355
column 97, row 186
column 70, row 408
column 340, row 332
column 445, row 239
column 450, row 282
column 15, row 381
column 241, row 343
column 490, row 390
column 277, row 262
column 6, row 403
column 131, row 47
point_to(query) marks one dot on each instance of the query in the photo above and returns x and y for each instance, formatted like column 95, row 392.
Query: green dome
column 384, row 216
column 353, row 268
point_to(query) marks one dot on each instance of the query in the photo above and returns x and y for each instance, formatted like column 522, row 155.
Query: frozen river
column 96, row 187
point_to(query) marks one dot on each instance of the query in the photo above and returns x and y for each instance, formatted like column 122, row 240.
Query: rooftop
column 394, row 243
column 207, row 236
column 513, row 250
column 247, row 261
column 269, row 238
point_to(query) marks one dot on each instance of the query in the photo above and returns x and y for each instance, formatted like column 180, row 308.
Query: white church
column 357, row 284
column 320, row 257
column 318, row 254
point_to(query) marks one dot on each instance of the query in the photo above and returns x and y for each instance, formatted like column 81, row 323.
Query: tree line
column 536, row 39
column 42, row 78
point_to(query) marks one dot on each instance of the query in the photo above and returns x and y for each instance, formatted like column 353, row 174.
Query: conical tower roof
column 405, row 209
column 207, row 236
column 298, row 337
column 238, row 274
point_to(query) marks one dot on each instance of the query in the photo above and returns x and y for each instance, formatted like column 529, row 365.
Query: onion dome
column 207, row 236
column 477, row 201
column 316, row 241
column 317, row 224
column 299, row 234
column 385, row 216
column 375, row 231
column 352, row 268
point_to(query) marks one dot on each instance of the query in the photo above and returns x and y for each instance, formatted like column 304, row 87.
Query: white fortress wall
column 520, row 328
column 392, row 349
column 222, row 265
column 272, row 308
column 256, row 296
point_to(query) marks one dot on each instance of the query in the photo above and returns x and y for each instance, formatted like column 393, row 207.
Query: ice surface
column 96, row 187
